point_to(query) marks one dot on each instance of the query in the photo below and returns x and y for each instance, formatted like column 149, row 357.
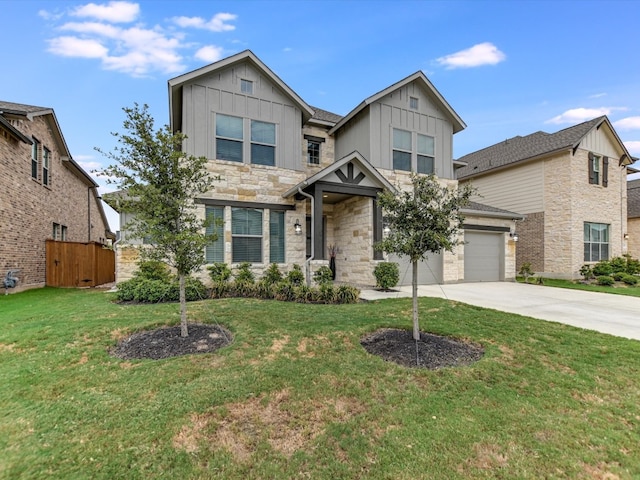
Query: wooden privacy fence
column 76, row 264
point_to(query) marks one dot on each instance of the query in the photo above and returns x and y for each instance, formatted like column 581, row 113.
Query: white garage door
column 429, row 271
column 483, row 256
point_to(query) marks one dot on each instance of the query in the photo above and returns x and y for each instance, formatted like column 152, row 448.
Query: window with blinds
column 246, row 232
column 276, row 236
column 215, row 250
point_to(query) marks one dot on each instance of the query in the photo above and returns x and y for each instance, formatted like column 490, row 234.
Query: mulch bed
column 167, row 342
column 433, row 351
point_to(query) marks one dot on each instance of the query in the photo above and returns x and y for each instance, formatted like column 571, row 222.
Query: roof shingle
column 519, row 148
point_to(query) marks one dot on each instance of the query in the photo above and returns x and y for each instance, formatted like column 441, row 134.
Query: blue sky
column 507, row 67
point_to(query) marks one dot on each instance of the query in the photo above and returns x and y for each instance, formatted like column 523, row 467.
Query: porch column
column 318, row 247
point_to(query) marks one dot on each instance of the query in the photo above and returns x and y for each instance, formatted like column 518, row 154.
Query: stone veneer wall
column 530, row 246
column 28, row 208
column 570, row 201
column 633, row 243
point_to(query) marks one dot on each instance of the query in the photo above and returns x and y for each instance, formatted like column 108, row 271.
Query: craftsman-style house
column 299, row 183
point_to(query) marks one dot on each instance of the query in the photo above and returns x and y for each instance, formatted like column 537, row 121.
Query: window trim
column 394, row 149
column 279, row 237
column 229, row 139
column 46, row 166
column 588, row 243
column 414, row 103
column 246, row 86
column 313, row 158
column 35, row 158
column 264, row 144
column 415, row 153
column 235, row 236
column 213, row 250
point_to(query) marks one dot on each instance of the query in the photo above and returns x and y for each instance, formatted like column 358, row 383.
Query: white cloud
column 49, row 15
column 218, row 22
column 116, row 12
column 95, row 28
column 209, row 54
column 77, row 47
column 598, row 95
column 633, row 147
column 579, row 115
column 481, row 54
column 629, row 123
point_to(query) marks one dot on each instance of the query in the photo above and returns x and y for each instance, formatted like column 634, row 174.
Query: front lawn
column 619, row 288
column 296, row 396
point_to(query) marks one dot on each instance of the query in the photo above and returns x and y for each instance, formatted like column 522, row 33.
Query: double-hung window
column 598, row 169
column 246, row 233
column 426, row 154
column 46, row 155
column 276, row 236
column 401, row 150
column 35, row 147
column 215, row 250
column 263, row 143
column 596, row 242
column 229, row 138
column 313, row 152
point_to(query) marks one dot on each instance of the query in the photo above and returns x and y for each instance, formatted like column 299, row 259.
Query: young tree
column 422, row 221
column 160, row 184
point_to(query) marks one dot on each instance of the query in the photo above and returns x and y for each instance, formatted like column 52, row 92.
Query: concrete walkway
column 604, row 312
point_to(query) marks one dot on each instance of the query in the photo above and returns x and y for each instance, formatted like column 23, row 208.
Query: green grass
column 295, row 396
column 619, row 288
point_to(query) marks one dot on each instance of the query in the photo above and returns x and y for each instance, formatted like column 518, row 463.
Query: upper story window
column 313, row 152
column 419, row 159
column 229, row 136
column 401, row 150
column 426, row 155
column 598, row 169
column 35, row 148
column 59, row 232
column 263, row 143
column 413, row 103
column 246, row 86
column 596, row 242
column 46, row 158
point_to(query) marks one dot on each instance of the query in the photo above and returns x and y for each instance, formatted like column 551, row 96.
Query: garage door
column 429, row 271
column 483, row 256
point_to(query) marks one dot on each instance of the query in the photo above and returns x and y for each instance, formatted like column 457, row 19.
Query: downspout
column 307, row 263
column 89, row 214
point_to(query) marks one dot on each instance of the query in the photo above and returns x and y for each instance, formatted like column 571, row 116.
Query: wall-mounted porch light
column 297, row 227
column 514, row 236
column 626, row 236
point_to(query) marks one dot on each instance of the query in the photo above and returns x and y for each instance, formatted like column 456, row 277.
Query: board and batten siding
column 220, row 93
column 518, row 189
column 371, row 132
column 596, row 141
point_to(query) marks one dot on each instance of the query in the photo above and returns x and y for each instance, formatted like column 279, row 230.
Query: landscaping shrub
column 152, row 291
column 633, row 265
column 525, row 271
column 305, row 294
column 265, row 289
column 194, row 289
column 272, row 275
column 602, row 268
column 323, row 276
column 327, row 293
column 220, row 289
column 347, row 294
column 219, row 272
column 618, row 265
column 629, row 279
column 617, row 276
column 244, row 274
column 295, row 276
column 387, row 275
column 587, row 272
column 605, row 280
column 285, row 291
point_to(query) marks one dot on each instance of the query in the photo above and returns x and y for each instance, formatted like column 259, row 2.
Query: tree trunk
column 414, row 287
column 184, row 330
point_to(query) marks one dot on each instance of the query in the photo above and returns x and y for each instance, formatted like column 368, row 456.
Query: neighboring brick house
column 572, row 187
column 296, row 179
column 633, row 218
column 44, row 193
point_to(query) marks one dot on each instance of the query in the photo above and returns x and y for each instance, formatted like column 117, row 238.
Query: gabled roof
column 175, row 85
column 533, row 146
column 324, row 117
column 456, row 121
column 633, row 199
column 364, row 165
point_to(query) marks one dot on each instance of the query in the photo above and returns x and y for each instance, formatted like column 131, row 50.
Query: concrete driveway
column 607, row 313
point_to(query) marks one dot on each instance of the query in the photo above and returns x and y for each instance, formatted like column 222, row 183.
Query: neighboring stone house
column 44, row 193
column 297, row 180
column 572, row 187
column 633, row 218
